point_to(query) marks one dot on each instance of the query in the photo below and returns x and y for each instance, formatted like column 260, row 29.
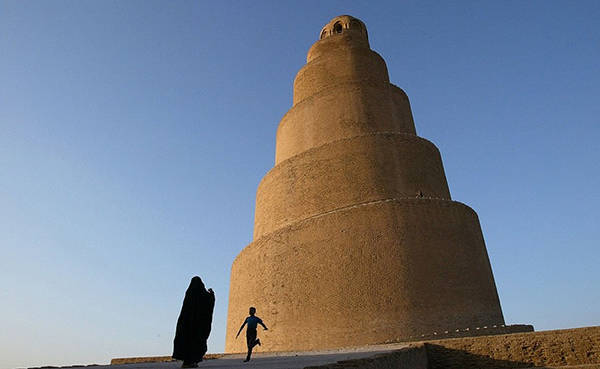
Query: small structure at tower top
column 344, row 24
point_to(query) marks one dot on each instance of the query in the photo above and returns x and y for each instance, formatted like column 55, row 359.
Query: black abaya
column 193, row 325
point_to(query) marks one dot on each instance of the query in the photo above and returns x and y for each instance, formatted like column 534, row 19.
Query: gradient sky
column 133, row 135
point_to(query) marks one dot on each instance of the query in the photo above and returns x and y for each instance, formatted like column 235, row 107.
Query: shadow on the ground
column 440, row 357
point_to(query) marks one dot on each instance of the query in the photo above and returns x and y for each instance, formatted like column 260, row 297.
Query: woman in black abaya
column 193, row 325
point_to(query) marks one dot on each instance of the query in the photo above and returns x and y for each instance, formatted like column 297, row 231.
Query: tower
column 356, row 238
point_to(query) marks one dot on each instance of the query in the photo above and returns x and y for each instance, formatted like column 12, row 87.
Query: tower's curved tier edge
column 360, row 64
column 346, row 172
column 366, row 274
column 343, row 110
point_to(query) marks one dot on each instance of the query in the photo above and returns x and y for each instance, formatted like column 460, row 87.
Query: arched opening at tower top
column 337, row 28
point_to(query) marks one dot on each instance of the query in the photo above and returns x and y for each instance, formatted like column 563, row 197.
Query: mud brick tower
column 356, row 238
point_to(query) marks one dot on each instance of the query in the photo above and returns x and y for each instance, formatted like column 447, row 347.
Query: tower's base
column 386, row 270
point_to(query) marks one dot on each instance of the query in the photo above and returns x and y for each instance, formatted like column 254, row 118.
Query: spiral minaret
column 356, row 238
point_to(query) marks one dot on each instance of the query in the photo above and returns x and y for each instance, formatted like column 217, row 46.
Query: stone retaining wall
column 549, row 348
column 154, row 359
column 569, row 348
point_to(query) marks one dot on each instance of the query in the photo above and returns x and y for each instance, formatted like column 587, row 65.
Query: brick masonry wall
column 356, row 220
column 567, row 348
column 406, row 267
column 578, row 346
column 348, row 172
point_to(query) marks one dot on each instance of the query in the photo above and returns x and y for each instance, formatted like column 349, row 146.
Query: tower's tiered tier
column 356, row 238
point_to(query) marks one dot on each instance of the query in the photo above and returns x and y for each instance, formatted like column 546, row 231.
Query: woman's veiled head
column 196, row 285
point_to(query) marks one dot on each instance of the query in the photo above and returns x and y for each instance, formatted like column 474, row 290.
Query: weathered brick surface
column 549, row 348
column 345, row 110
column 347, row 172
column 366, row 274
column 568, row 349
column 357, row 240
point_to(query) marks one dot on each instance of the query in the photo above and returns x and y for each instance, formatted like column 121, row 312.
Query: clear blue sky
column 133, row 135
